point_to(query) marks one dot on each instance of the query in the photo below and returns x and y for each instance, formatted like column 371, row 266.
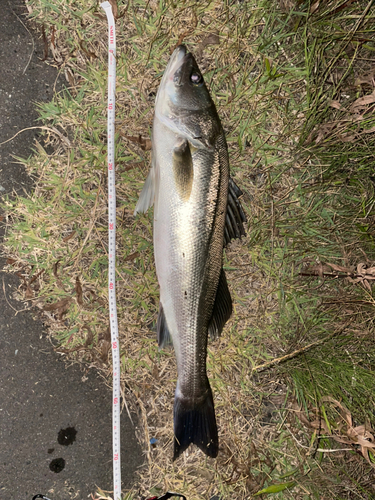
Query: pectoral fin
column 147, row 196
column 235, row 215
column 222, row 308
column 183, row 169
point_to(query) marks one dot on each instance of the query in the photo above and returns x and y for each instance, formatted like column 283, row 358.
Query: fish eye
column 196, row 78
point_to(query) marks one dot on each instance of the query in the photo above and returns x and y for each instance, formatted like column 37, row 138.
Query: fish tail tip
column 195, row 425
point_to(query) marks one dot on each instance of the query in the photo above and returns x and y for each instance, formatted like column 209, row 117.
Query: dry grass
column 269, row 67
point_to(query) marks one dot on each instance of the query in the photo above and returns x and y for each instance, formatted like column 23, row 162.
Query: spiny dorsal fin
column 235, row 216
column 222, row 308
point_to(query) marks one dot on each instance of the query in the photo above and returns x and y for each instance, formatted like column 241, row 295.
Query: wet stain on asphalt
column 57, row 465
column 66, row 436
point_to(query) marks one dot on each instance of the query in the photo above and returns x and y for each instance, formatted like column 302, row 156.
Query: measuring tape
column 112, row 251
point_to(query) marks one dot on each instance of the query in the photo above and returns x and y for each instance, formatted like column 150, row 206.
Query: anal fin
column 222, row 308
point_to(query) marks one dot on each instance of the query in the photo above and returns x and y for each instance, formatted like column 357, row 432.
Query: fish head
column 182, row 89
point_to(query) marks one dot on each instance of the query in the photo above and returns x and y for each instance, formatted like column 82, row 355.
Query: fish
column 197, row 212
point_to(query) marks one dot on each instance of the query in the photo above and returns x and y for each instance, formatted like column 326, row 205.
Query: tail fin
column 195, row 425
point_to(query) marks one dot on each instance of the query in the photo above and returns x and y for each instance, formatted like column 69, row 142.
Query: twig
column 293, row 354
column 10, row 305
column 53, row 130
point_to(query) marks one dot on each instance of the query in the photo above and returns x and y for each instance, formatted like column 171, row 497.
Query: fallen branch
column 293, row 354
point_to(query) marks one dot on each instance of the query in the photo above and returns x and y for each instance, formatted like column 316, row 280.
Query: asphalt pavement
column 55, row 420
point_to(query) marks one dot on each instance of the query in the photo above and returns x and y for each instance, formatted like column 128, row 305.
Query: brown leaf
column 106, row 335
column 340, row 268
column 53, row 31
column 210, row 39
column 69, row 236
column 155, row 372
column 36, row 276
column 319, row 269
column 348, row 137
column 144, row 144
column 90, row 336
column 29, row 294
column 11, row 261
column 104, row 351
column 335, row 104
column 61, row 307
column 371, row 271
column 45, row 42
column 114, row 8
column 55, row 267
column 86, row 50
column 314, row 7
column 363, row 101
column 361, row 268
column 132, row 256
column 368, row 79
column 78, row 289
column 367, row 285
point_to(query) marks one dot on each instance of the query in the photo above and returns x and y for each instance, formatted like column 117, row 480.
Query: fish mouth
column 168, row 83
column 179, row 56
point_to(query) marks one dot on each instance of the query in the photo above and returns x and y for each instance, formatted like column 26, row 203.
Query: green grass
column 286, row 82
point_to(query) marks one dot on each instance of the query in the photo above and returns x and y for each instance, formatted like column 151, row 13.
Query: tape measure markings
column 112, row 251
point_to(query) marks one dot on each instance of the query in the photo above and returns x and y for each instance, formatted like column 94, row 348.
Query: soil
column 55, row 420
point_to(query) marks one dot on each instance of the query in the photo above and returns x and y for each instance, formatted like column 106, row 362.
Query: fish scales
column 188, row 184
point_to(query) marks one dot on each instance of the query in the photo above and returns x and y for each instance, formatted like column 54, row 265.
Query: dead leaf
column 104, row 351
column 114, row 8
column 90, row 336
column 86, row 50
column 368, row 79
column 144, row 144
column 314, row 7
column 371, row 271
column 132, row 256
column 11, row 261
column 340, row 268
column 69, row 236
column 335, row 104
column 45, row 42
column 348, row 137
column 210, row 39
column 36, row 276
column 61, row 307
column 29, row 294
column 106, row 335
column 362, row 101
column 55, row 267
column 155, row 372
column 78, row 289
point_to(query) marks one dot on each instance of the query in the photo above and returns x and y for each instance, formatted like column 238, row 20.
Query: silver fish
column 196, row 212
